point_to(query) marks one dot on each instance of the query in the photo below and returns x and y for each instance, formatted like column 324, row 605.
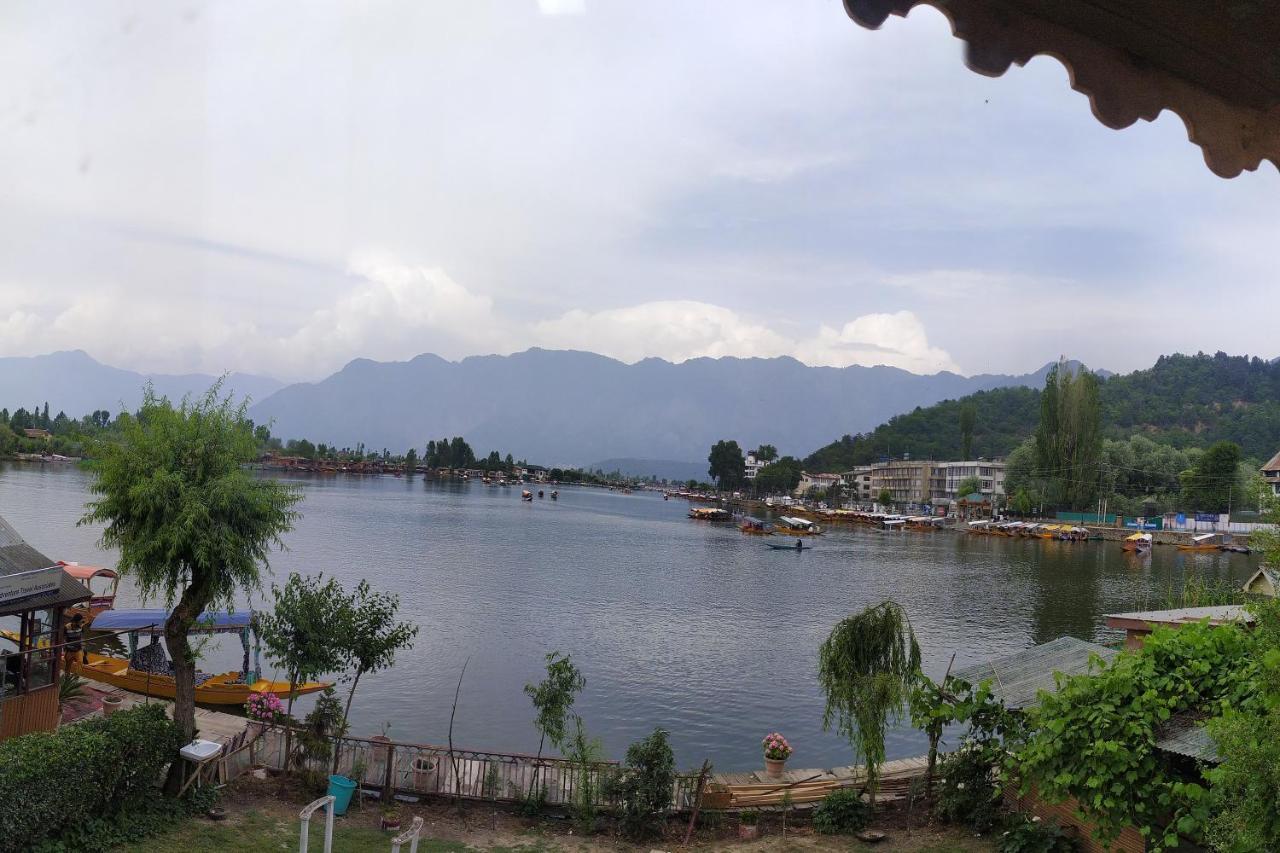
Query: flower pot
column 774, row 767
column 426, row 773
column 111, row 704
column 748, row 832
column 390, row 823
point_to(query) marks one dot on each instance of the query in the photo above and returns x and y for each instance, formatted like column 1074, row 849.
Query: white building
column 815, row 481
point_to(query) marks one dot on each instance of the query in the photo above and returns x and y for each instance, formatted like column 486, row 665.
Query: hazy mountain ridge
column 74, row 382
column 563, row 407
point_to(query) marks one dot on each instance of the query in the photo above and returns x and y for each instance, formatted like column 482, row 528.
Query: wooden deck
column 210, row 725
column 755, row 790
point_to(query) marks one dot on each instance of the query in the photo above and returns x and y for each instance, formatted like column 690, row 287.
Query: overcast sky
column 232, row 187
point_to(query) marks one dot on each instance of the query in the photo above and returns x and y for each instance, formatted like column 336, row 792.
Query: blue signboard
column 1142, row 524
column 1207, row 516
column 1181, row 519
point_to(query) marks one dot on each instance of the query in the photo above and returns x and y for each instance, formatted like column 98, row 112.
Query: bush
column 842, row 812
column 148, row 817
column 53, row 782
column 967, row 793
column 643, row 788
column 1029, row 835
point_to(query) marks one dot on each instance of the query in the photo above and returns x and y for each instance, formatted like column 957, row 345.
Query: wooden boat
column 147, row 672
column 1202, row 542
column 710, row 513
column 754, row 527
column 793, row 546
column 790, row 525
column 526, row 495
column 102, row 582
column 1137, row 542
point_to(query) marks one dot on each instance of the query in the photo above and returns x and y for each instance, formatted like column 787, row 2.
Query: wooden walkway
column 755, row 789
column 210, row 725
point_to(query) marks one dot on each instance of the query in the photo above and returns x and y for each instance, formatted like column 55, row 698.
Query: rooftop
column 16, row 557
column 1142, row 620
column 1017, row 679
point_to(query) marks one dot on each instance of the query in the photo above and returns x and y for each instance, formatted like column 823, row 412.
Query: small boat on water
column 555, row 495
column 710, row 513
column 148, row 670
column 1202, row 542
column 539, row 492
column 793, row 546
column 526, row 495
column 754, row 527
column 102, row 584
column 790, row 525
column 1137, row 542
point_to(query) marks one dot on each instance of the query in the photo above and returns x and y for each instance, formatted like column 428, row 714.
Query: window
column 38, row 667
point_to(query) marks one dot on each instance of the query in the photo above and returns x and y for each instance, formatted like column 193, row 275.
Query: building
column 822, row 482
column 34, row 594
column 1271, row 473
column 858, row 485
column 37, row 432
column 753, row 466
column 948, row 476
column 908, row 481
column 912, row 481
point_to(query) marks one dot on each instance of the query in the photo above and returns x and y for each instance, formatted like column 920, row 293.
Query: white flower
column 960, row 786
column 1035, row 819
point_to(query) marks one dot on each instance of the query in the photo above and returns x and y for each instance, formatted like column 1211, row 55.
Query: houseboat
column 710, row 513
column 754, row 527
column 1202, row 542
column 147, row 670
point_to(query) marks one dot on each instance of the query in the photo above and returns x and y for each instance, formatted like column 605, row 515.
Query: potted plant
column 111, row 703
column 749, row 825
column 264, row 710
column 776, row 753
column 382, row 743
column 390, row 818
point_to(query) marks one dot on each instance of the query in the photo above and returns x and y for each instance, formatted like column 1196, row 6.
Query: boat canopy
column 792, row 521
column 152, row 621
column 1138, row 537
column 84, row 573
column 1203, row 537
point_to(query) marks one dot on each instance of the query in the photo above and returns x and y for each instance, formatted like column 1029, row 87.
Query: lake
column 680, row 624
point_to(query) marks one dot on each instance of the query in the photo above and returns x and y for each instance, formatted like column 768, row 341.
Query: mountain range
column 576, row 408
column 74, row 382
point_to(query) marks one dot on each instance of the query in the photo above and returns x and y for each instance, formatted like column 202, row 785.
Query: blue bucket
column 341, row 788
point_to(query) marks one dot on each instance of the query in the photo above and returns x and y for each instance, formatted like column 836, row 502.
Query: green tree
column 432, row 458
column 968, row 418
column 304, row 631
column 866, row 669
column 780, row 477
column 727, row 466
column 553, row 699
column 643, row 787
column 885, row 498
column 766, row 453
column 1069, row 437
column 968, row 486
column 411, row 461
column 189, row 522
column 1210, row 485
column 371, row 637
column 460, row 453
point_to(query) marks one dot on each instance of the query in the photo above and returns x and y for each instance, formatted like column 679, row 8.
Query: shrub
column 643, row 788
column 53, row 782
column 967, row 792
column 842, row 812
column 1029, row 835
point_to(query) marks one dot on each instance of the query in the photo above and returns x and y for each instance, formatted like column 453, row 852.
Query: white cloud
column 896, row 340
column 562, row 7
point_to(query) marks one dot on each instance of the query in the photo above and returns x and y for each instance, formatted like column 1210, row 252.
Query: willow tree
column 867, row 667
column 189, row 522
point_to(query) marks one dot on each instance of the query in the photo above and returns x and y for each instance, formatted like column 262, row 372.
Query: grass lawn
column 262, row 816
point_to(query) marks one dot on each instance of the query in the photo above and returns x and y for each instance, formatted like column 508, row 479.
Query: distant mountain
column 75, row 383
column 565, row 407
column 1182, row 400
column 663, row 469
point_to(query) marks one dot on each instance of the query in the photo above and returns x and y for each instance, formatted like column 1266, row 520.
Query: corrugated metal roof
column 1185, row 734
column 1017, row 679
column 17, row 556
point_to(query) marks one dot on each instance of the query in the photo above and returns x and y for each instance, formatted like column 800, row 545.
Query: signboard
column 26, row 584
column 1181, row 519
column 1207, row 516
column 1143, row 523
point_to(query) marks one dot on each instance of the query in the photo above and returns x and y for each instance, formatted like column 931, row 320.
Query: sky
column 280, row 188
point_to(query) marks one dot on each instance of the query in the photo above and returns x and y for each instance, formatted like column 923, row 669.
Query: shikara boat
column 754, row 527
column 100, row 581
column 1137, row 542
column 790, row 525
column 148, row 672
column 1202, row 542
column 791, row 546
column 710, row 513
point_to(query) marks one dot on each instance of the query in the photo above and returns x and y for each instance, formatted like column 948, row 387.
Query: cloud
column 562, row 7
column 895, row 340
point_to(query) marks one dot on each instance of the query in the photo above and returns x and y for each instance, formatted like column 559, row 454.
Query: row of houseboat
column 1028, row 529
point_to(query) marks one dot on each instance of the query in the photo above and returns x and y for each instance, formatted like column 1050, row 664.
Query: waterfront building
column 753, row 466
column 822, row 482
column 35, row 593
column 916, row 481
column 1271, row 473
column 858, row 484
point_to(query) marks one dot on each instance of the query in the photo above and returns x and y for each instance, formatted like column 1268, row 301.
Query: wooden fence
column 424, row 770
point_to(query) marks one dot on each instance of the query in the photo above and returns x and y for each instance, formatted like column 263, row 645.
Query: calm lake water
column 692, row 627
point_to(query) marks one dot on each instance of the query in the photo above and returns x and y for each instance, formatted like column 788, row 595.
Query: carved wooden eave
column 1215, row 63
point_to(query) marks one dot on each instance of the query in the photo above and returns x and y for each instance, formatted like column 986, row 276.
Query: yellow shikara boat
column 146, row 671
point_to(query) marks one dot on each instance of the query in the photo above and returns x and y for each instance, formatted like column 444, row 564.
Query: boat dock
column 210, row 725
column 754, row 789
